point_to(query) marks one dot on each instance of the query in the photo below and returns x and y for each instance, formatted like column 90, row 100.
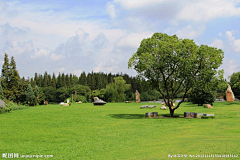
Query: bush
column 15, row 106
column 4, row 110
column 81, row 98
column 69, row 103
column 202, row 96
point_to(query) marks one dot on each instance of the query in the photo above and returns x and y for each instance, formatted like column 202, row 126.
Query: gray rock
column 2, row 103
column 198, row 115
column 144, row 106
column 152, row 106
column 208, row 115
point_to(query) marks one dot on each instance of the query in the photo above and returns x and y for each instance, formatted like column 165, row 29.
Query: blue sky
column 70, row 36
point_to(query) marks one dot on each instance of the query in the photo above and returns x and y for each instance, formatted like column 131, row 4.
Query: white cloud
column 77, row 72
column 230, row 66
column 235, row 43
column 110, row 66
column 135, row 4
column 17, row 48
column 100, row 42
column 2, row 6
column 56, row 57
column 130, row 42
column 218, row 43
column 110, row 8
column 205, row 10
column 190, row 31
column 61, row 69
column 40, row 52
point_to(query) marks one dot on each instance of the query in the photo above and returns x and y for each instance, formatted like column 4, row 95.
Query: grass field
column 119, row 131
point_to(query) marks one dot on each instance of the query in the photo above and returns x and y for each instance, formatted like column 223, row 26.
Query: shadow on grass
column 142, row 116
column 127, row 116
column 231, row 103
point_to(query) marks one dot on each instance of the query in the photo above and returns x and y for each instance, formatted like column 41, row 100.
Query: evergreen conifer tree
column 59, row 81
column 30, row 97
column 49, row 80
column 67, row 79
column 64, row 84
column 5, row 76
column 1, row 91
column 54, row 81
column 14, row 79
column 45, row 80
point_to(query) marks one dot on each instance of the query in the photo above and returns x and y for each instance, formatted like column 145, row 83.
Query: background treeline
column 108, row 87
column 57, row 88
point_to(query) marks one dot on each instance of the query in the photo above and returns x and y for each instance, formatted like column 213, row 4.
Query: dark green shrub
column 81, row 98
column 69, row 103
column 3, row 109
column 202, row 96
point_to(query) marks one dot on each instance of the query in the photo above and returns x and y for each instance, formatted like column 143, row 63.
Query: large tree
column 171, row 63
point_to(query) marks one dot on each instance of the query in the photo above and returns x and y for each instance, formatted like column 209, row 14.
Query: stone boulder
column 64, row 104
column 229, row 94
column 163, row 107
column 144, row 106
column 208, row 105
column 137, row 96
column 2, row 104
column 152, row 106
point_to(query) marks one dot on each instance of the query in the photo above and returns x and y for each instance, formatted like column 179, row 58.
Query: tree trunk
column 171, row 112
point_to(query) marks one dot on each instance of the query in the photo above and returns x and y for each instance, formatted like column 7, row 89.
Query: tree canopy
column 174, row 65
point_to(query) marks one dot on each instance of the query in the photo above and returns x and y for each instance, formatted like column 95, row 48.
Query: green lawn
column 119, row 131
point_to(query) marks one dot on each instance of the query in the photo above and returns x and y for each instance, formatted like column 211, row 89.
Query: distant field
column 119, row 131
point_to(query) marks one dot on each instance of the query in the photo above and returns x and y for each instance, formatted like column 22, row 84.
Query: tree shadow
column 142, row 116
column 231, row 103
column 127, row 116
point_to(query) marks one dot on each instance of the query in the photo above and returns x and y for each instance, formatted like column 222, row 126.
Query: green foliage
column 30, row 97
column 49, row 94
column 202, row 96
column 5, row 110
column 1, row 91
column 235, row 84
column 70, row 103
column 81, row 98
column 150, row 95
column 115, row 91
column 174, row 64
column 61, row 94
column 16, row 106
